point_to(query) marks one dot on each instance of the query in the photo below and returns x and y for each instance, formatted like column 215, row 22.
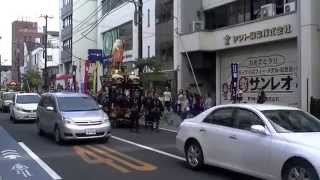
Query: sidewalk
column 170, row 121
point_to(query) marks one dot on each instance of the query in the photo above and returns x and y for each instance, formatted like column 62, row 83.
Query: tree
column 32, row 81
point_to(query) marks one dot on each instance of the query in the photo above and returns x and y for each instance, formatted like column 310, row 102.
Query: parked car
column 266, row 141
column 72, row 116
column 24, row 107
column 6, row 100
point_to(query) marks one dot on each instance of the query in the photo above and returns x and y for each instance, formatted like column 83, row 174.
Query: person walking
column 134, row 115
column 157, row 109
column 180, row 100
column 208, row 102
column 261, row 97
column 167, row 99
column 147, row 107
column 185, row 107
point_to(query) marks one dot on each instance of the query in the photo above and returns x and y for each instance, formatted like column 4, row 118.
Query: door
column 219, row 145
column 52, row 115
column 253, row 152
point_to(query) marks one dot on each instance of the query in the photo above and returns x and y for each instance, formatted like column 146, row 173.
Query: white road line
column 169, row 130
column 41, row 163
column 149, row 148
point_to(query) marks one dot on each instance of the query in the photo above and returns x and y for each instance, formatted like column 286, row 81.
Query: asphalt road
column 127, row 156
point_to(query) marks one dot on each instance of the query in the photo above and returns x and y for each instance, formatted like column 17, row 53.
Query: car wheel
column 300, row 170
column 57, row 136
column 194, row 155
column 40, row 131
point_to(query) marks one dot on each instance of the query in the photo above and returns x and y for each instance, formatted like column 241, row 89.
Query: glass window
column 244, row 119
column 286, row 121
column 67, row 104
column 8, row 96
column 28, row 99
column 221, row 117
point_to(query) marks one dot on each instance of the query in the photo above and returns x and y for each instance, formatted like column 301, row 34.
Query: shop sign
column 274, row 74
column 258, row 35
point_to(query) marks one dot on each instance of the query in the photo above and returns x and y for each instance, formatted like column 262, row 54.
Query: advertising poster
column 272, row 70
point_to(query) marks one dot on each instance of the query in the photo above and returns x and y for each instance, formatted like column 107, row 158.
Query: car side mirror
column 49, row 108
column 259, row 129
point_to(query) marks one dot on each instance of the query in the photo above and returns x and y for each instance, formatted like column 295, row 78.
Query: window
column 108, row 5
column 67, row 44
column 49, row 58
column 148, row 17
column 221, row 117
column 28, row 99
column 66, row 2
column 238, row 12
column 67, row 21
column 244, row 119
column 69, row 104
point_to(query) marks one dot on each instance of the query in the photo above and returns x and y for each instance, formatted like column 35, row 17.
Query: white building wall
column 208, row 4
column 83, row 36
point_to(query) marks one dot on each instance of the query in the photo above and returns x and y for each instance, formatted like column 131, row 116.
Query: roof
column 261, row 107
column 68, row 94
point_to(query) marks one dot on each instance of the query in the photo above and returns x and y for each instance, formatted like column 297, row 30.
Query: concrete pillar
column 309, row 44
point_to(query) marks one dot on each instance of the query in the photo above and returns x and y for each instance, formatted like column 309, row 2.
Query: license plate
column 91, row 132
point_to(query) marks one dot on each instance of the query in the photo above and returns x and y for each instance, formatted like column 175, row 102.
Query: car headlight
column 105, row 118
column 68, row 121
column 19, row 109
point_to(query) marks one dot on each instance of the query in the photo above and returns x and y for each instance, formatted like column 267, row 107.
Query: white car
column 265, row 141
column 24, row 107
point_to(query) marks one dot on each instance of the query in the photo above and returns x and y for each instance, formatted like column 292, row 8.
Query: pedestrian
column 180, row 99
column 261, row 97
column 185, row 106
column 208, row 102
column 134, row 115
column 167, row 99
column 157, row 109
column 147, row 107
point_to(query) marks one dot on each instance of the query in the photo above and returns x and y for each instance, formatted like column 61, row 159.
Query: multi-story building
column 78, row 34
column 119, row 23
column 271, row 45
column 23, row 32
column 35, row 60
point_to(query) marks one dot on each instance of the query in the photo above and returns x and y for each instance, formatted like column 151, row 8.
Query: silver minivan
column 72, row 116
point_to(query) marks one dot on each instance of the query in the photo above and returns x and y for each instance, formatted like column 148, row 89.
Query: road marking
column 41, row 163
column 169, row 130
column 103, row 154
column 149, row 148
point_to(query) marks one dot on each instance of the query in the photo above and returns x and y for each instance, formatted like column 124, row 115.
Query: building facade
column 23, row 32
column 270, row 45
column 78, row 34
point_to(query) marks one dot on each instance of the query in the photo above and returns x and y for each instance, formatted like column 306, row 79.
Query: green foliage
column 153, row 64
column 32, row 81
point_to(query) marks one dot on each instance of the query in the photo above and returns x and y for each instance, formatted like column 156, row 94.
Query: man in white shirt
column 167, row 99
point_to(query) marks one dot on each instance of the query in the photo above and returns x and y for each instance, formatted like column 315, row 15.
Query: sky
column 30, row 10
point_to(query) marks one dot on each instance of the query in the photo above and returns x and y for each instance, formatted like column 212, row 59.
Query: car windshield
column 292, row 121
column 8, row 96
column 28, row 99
column 67, row 104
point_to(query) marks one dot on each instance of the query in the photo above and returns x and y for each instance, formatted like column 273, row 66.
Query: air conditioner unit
column 197, row 26
column 268, row 10
column 289, row 6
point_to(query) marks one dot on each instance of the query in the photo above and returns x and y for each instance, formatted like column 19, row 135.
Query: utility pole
column 45, row 72
column 140, row 29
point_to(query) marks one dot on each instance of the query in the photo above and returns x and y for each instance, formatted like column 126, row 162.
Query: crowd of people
column 152, row 104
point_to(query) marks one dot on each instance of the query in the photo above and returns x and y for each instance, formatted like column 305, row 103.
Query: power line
column 98, row 22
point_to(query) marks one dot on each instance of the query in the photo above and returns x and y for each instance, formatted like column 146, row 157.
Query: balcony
column 66, row 55
column 66, row 33
column 66, row 10
column 250, row 33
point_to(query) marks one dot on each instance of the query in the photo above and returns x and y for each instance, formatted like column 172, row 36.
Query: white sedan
column 265, row 141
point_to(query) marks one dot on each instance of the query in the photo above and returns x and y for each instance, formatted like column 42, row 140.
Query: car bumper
column 180, row 144
column 76, row 132
column 20, row 115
